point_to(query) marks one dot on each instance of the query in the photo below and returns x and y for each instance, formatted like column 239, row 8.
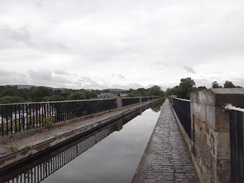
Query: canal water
column 110, row 154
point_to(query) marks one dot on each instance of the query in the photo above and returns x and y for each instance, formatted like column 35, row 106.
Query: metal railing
column 45, row 165
column 130, row 101
column 20, row 117
column 236, row 121
column 182, row 110
column 15, row 118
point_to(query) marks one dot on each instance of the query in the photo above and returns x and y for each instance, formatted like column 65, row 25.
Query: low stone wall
column 210, row 143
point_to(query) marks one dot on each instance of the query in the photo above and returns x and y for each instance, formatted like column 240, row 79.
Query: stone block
column 219, row 144
column 223, row 173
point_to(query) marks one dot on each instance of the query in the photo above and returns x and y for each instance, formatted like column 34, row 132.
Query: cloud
column 117, row 43
column 60, row 72
column 189, row 69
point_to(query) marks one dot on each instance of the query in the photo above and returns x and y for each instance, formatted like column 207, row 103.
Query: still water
column 110, row 154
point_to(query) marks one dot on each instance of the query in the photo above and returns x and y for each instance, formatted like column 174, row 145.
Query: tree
column 186, row 86
column 11, row 99
column 229, row 84
column 76, row 96
column 215, row 84
column 172, row 91
column 155, row 91
column 38, row 93
column 140, row 92
column 53, row 98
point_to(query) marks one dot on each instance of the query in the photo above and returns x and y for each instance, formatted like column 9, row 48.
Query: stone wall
column 210, row 132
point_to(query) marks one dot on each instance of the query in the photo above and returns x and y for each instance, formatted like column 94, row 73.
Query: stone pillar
column 119, row 102
column 210, row 132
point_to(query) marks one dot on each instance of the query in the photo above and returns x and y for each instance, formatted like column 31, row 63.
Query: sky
column 98, row 44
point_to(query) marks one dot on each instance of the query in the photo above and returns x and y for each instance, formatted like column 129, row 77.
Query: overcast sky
column 97, row 44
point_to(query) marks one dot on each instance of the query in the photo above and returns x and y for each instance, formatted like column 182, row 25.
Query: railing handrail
column 181, row 99
column 63, row 101
column 230, row 107
column 68, row 101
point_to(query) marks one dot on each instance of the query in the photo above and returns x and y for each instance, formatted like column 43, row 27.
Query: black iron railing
column 130, row 101
column 20, row 117
column 42, row 167
column 182, row 109
column 236, row 143
column 15, row 118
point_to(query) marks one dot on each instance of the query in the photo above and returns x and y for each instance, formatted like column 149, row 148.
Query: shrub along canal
column 110, row 154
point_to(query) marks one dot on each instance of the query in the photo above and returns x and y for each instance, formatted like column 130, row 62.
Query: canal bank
column 166, row 158
column 20, row 147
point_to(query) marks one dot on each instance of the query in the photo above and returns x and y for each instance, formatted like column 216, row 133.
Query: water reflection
column 157, row 106
column 44, row 166
column 114, row 159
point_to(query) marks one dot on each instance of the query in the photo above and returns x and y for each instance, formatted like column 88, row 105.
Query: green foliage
column 38, row 93
column 142, row 92
column 155, row 91
column 184, row 89
column 215, row 84
column 77, row 96
column 229, row 84
column 14, row 148
column 53, row 98
column 11, row 99
column 157, row 106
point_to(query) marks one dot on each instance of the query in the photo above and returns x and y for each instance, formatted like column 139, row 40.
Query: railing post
column 118, row 101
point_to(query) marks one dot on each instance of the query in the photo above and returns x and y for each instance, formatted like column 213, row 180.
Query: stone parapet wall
column 210, row 132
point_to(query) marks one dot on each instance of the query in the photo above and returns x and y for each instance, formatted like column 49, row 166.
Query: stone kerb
column 210, row 129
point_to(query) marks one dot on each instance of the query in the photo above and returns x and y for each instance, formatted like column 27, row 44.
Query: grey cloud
column 189, row 69
column 119, row 76
column 11, row 78
column 107, row 37
column 9, row 36
column 60, row 72
column 13, row 37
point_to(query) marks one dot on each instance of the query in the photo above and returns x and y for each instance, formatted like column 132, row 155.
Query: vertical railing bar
column 7, row 120
column 20, row 125
column 15, row 119
column 52, row 106
column 47, row 113
column 11, row 119
column 42, row 114
column 2, row 124
column 33, row 115
column 28, row 124
column 30, row 116
column 23, row 116
column 36, row 116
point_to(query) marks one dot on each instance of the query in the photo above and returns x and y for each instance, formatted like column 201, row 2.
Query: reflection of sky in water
column 114, row 159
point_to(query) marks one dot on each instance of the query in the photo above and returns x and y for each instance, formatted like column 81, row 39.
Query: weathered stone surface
column 166, row 158
column 210, row 127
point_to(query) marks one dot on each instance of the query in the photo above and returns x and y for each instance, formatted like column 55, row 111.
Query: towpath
column 166, row 158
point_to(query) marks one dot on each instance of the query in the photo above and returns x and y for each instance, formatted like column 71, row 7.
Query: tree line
column 13, row 94
column 188, row 85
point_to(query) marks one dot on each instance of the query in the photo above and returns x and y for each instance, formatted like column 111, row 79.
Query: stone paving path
column 166, row 159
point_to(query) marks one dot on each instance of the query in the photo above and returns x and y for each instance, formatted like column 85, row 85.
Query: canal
column 110, row 154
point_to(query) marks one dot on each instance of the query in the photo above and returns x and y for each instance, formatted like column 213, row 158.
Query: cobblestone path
column 166, row 159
